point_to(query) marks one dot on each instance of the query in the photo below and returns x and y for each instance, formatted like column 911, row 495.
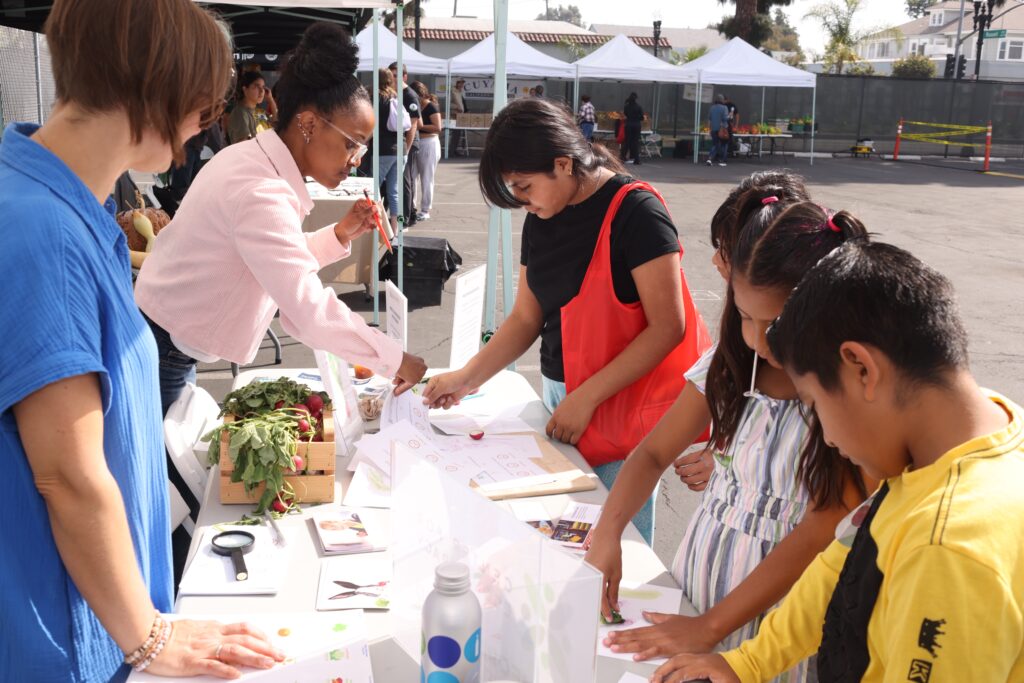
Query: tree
column 569, row 13
column 860, row 69
column 751, row 21
column 916, row 8
column 913, row 66
column 408, row 16
column 784, row 37
column 836, row 17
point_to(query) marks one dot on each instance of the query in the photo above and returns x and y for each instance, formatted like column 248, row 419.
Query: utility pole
column 959, row 33
column 416, row 29
column 982, row 20
column 657, row 35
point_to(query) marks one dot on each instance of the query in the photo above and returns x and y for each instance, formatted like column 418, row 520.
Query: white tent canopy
column 740, row 63
column 520, row 60
column 620, row 59
column 387, row 44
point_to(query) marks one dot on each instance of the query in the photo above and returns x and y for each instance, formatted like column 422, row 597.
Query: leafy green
column 260, row 397
column 261, row 448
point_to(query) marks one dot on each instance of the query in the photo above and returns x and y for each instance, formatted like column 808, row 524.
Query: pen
column 380, row 226
column 279, row 539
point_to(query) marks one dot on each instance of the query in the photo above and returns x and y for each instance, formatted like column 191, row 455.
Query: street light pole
column 959, row 33
column 657, row 35
column 982, row 21
column 416, row 19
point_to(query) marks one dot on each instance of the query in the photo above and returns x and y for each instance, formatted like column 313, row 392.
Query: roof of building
column 539, row 31
column 681, row 39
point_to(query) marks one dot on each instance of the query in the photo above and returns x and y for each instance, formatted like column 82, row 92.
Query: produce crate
column 473, row 120
column 317, row 486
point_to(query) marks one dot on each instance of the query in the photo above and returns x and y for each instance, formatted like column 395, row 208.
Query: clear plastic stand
column 540, row 602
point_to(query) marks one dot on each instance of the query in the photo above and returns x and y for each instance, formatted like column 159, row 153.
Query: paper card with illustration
column 533, row 513
column 318, row 647
column 211, row 574
column 376, row 448
column 368, row 488
column 575, row 524
column 355, row 582
column 635, row 599
column 496, row 461
column 341, row 529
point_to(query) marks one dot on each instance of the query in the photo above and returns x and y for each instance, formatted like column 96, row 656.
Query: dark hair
column 876, row 294
column 778, row 244
column 725, row 226
column 320, row 74
column 419, row 88
column 526, row 137
column 585, row 98
column 249, row 77
column 110, row 54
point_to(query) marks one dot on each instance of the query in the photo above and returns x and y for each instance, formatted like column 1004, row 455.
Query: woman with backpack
column 391, row 112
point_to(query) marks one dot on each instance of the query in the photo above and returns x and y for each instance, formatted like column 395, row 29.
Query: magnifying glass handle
column 241, row 573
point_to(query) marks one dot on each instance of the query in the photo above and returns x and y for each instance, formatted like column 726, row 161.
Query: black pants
column 632, row 143
column 409, row 178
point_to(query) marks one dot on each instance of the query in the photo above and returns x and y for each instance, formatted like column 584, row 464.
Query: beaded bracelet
column 165, row 635
column 136, row 655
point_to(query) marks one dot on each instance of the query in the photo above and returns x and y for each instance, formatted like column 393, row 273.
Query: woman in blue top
column 86, row 565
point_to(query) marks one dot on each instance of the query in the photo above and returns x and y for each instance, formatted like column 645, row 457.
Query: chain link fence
column 26, row 80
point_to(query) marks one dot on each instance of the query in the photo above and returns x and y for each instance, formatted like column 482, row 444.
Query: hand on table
column 694, row 469
column 409, row 373
column 670, row 635
column 606, row 557
column 447, row 389
column 571, row 418
column 695, row 667
column 213, row 649
column 361, row 218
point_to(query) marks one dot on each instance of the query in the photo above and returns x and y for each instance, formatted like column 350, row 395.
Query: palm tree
column 749, row 14
column 836, row 17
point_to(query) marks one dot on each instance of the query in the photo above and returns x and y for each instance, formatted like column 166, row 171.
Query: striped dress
column 753, row 499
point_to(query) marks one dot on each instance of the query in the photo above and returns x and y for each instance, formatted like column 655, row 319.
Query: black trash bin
column 429, row 262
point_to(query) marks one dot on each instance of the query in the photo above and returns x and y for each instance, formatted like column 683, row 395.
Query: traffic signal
column 961, row 66
column 950, row 60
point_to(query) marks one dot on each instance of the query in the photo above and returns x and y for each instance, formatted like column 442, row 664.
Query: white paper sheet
column 212, row 574
column 407, row 407
column 469, row 310
column 634, row 600
column 318, row 647
column 397, row 314
column 376, row 448
column 365, row 583
column 633, row 678
column 370, row 487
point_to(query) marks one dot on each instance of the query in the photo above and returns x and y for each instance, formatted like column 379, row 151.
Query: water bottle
column 450, row 650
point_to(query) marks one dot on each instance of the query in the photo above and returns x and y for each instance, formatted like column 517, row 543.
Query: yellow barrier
column 937, row 137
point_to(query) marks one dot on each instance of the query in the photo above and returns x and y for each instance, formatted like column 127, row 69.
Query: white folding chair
column 651, row 146
column 192, row 415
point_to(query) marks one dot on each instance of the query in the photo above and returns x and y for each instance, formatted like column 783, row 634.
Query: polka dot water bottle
column 450, row 651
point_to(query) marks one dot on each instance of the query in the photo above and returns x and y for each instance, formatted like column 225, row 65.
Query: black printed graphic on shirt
column 843, row 656
column 929, row 635
column 920, row 671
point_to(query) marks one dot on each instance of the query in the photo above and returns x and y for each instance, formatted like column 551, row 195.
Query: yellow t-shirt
column 933, row 593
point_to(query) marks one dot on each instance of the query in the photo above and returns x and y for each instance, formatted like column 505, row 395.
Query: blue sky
column 677, row 13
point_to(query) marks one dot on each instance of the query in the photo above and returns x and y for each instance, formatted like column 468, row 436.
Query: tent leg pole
column 814, row 119
column 494, row 225
column 696, row 123
column 447, row 110
column 401, row 151
column 374, row 268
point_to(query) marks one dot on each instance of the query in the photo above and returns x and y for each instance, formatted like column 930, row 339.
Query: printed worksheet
column 369, row 488
column 634, row 600
column 407, row 407
column 376, row 448
column 211, row 574
column 318, row 647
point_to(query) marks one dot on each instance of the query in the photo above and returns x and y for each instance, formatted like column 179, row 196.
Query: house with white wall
column 934, row 36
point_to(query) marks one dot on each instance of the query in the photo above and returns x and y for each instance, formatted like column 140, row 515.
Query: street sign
column 996, row 33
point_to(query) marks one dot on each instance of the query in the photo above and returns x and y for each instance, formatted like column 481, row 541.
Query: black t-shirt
column 412, row 105
column 388, row 138
column 557, row 252
column 634, row 112
column 429, row 111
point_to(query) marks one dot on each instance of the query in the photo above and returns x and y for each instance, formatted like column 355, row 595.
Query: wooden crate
column 315, row 487
column 473, row 120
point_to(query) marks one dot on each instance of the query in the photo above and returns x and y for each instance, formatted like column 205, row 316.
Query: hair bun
column 325, row 56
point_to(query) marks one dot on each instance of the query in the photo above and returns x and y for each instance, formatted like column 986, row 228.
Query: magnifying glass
column 234, row 544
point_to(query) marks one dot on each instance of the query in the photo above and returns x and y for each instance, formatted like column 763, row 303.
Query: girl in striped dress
column 764, row 514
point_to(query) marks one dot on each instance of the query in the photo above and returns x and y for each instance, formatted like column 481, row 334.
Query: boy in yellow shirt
column 925, row 581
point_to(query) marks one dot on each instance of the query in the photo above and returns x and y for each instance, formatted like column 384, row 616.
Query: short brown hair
column 158, row 60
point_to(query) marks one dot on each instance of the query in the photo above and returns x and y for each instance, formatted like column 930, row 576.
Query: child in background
column 765, row 513
column 925, row 581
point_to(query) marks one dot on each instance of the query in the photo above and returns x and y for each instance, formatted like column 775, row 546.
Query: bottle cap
column 451, row 578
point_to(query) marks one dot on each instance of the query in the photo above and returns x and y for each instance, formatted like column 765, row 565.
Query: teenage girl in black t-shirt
column 535, row 157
